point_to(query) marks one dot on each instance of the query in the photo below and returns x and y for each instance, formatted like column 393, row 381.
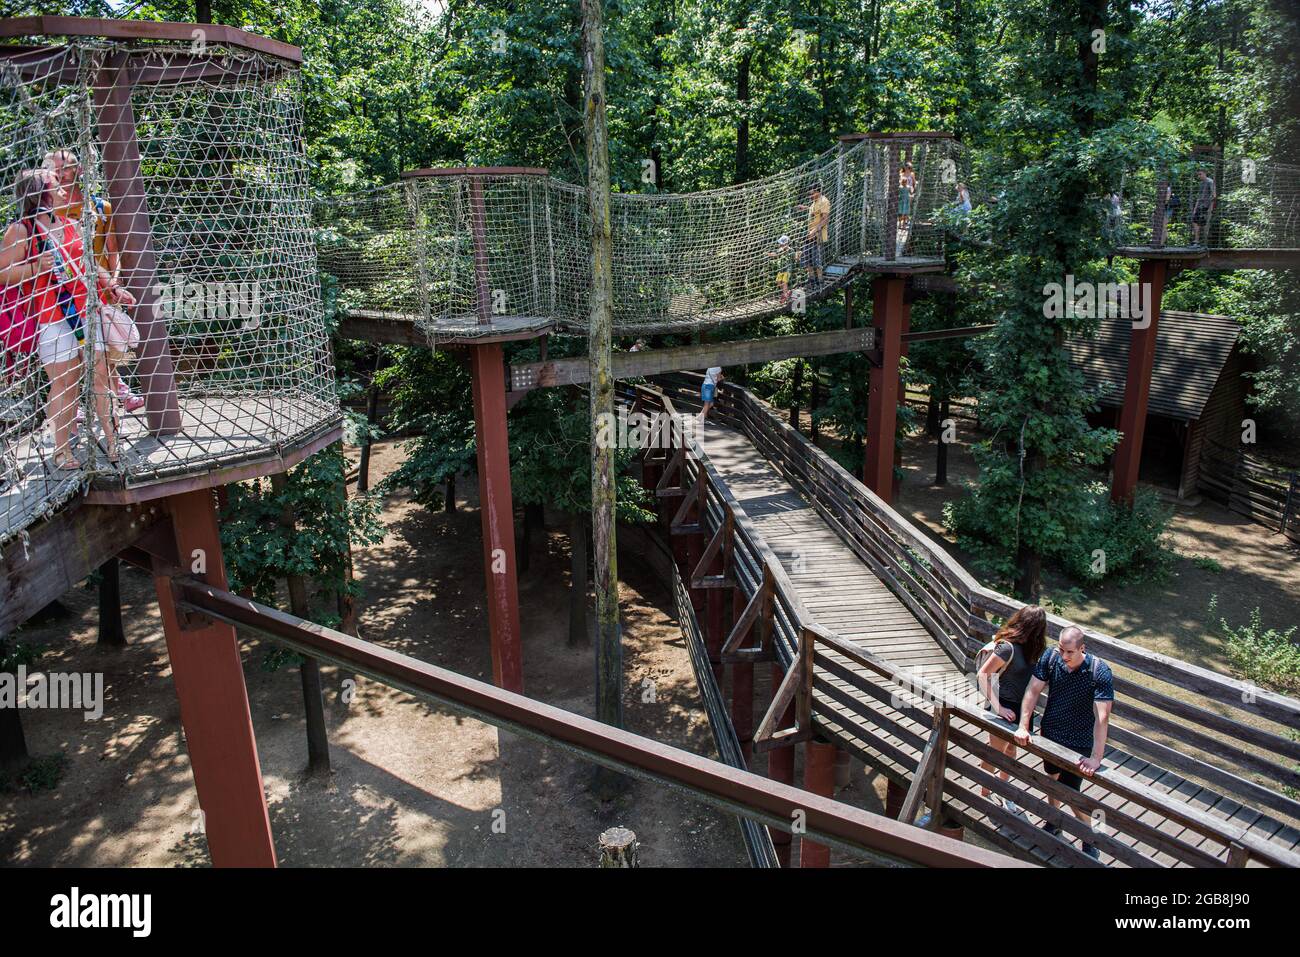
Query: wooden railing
column 958, row 612
column 1253, row 488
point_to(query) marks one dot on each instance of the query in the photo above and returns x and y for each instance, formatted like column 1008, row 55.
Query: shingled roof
column 1191, row 350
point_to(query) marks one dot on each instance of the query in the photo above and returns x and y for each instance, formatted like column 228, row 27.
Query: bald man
column 1077, row 715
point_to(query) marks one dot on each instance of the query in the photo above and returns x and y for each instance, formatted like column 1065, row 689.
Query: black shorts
column 1200, row 215
column 1071, row 779
column 812, row 254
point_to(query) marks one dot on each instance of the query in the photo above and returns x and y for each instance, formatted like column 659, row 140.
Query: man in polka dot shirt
column 1077, row 715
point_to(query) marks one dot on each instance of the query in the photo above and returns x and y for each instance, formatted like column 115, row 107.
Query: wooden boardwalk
column 887, row 726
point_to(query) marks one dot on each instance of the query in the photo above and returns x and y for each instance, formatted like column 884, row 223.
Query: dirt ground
column 412, row 784
column 1258, row 568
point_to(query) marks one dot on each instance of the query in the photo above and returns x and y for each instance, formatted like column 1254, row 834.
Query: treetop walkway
column 874, row 629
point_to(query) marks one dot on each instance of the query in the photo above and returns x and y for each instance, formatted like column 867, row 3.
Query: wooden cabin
column 1198, row 390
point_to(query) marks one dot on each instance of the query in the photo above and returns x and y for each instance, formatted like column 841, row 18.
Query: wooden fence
column 1245, row 485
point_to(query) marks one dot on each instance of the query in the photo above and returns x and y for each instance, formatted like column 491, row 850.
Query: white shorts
column 58, row 343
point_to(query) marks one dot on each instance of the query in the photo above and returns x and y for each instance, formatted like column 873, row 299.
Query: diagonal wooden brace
column 751, row 620
column 928, row 779
column 700, row 577
column 679, row 525
column 663, row 488
column 796, row 689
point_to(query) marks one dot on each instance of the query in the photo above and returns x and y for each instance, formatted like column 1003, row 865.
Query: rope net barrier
column 161, row 312
column 1208, row 201
column 475, row 253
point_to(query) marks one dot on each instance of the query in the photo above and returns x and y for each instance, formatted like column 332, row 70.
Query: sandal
column 65, row 461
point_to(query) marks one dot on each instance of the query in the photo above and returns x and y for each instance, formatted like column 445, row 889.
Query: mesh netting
column 471, row 254
column 188, row 335
column 1241, row 203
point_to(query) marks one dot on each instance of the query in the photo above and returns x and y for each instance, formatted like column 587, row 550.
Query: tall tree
column 609, row 641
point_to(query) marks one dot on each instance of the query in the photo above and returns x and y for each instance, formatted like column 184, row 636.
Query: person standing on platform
column 1206, row 199
column 815, row 239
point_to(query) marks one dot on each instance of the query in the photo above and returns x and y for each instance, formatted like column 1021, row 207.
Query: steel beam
column 1137, row 386
column 209, row 677
column 496, row 510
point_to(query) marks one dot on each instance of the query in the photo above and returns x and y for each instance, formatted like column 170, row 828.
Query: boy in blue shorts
column 708, row 391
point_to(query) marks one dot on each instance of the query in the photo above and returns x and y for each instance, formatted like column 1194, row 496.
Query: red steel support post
column 694, row 552
column 497, row 512
column 890, row 311
column 124, row 184
column 1137, row 389
column 715, row 611
column 780, row 767
column 209, row 677
column 819, row 778
column 742, row 690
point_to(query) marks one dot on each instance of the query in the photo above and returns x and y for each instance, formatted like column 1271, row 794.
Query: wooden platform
column 222, row 439
column 887, row 725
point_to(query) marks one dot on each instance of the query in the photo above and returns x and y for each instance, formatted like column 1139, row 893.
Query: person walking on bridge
column 709, row 389
column 1077, row 714
column 814, row 244
column 1004, row 667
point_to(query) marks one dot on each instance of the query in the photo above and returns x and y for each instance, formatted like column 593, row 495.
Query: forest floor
column 1223, row 566
column 412, row 784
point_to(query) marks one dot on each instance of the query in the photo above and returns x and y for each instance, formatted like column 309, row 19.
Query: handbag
column 121, row 335
column 18, row 328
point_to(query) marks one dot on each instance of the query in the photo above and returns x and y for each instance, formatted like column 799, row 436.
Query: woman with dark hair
column 42, row 254
column 1005, row 666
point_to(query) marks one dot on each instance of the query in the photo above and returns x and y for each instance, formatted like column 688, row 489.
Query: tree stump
column 618, row 848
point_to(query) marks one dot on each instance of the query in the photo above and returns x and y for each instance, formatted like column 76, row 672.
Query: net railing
column 1208, row 202
column 463, row 253
column 161, row 312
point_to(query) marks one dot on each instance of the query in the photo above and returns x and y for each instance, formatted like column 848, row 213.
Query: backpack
column 18, row 330
column 988, row 651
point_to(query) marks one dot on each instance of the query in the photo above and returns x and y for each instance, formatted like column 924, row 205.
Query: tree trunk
column 202, row 11
column 372, row 410
column 577, row 579
column 449, row 497
column 941, row 456
column 609, row 651
column 932, row 416
column 344, row 599
column 1029, row 567
column 534, row 522
column 13, row 744
column 742, row 127
column 318, row 754
column 110, row 605
column 796, row 393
